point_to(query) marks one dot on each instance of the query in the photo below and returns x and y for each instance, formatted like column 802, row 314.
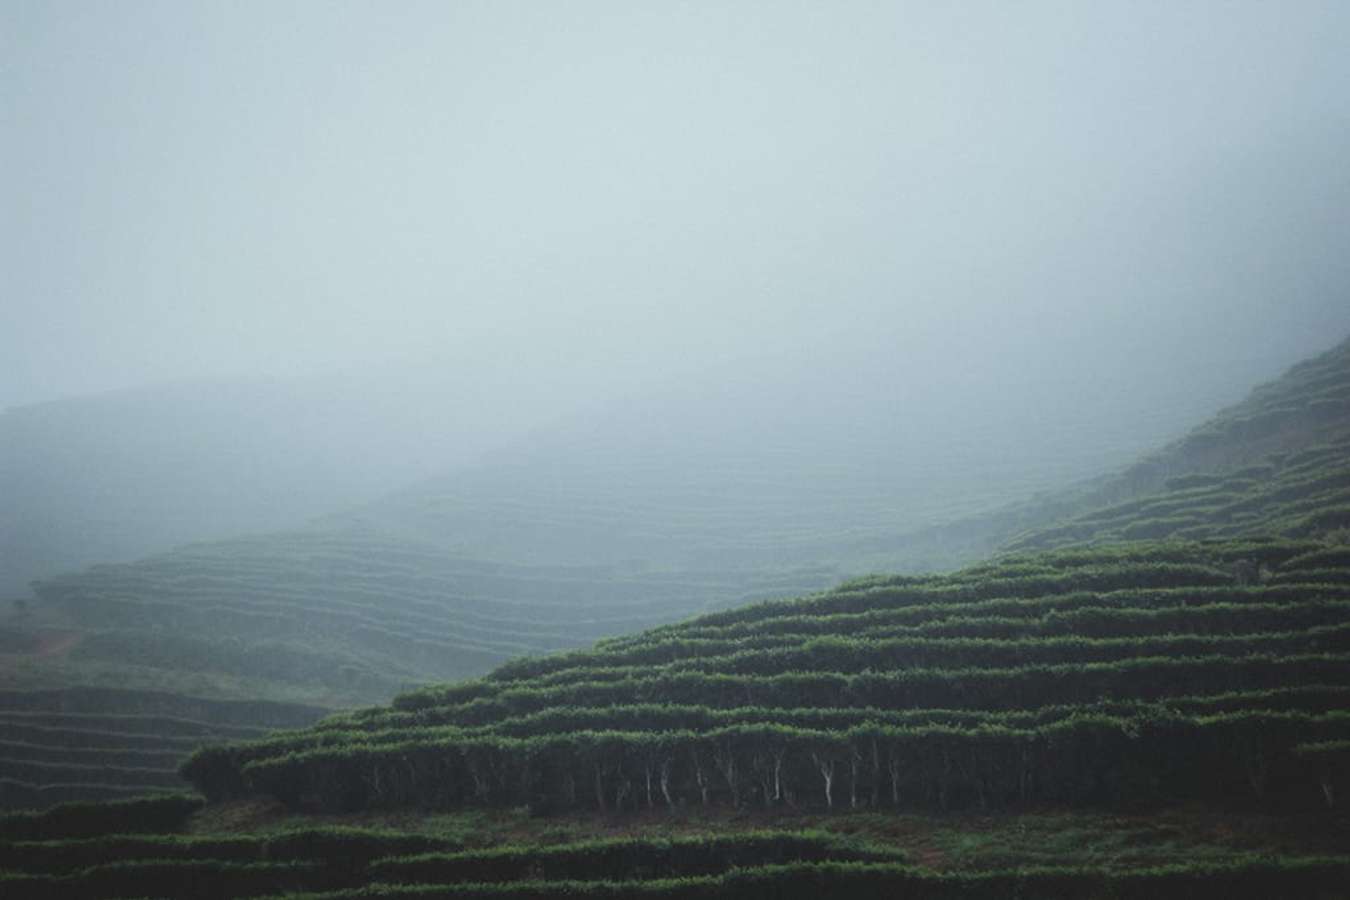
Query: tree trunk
column 665, row 783
column 946, row 776
column 480, row 785
column 764, row 774
column 701, row 777
column 976, row 775
column 725, row 761
column 853, row 780
column 826, row 768
column 876, row 775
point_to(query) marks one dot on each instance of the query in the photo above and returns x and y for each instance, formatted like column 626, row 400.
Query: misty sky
column 606, row 194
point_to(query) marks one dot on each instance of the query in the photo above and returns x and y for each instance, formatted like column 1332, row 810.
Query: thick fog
column 610, row 191
column 447, row 224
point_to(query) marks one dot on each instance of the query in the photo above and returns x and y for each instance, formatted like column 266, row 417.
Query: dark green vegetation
column 169, row 847
column 90, row 743
column 942, row 717
column 1143, row 674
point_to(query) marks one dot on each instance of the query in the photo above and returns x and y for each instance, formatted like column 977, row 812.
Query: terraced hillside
column 1163, row 671
column 792, row 466
column 1278, row 463
column 1244, row 471
column 161, row 848
column 608, row 537
column 1022, row 728
column 116, row 476
column 1296, row 494
column 311, row 619
column 145, row 848
column 339, row 619
column 604, row 527
column 90, row 744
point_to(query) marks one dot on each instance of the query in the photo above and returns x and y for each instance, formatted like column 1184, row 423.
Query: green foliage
column 1306, row 495
column 146, row 815
column 621, row 859
column 205, row 878
column 1250, row 879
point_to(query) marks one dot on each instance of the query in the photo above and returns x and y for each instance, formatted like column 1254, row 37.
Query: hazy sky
column 606, row 193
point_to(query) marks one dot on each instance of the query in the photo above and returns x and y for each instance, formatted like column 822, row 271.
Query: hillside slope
column 113, row 477
column 1049, row 678
column 1278, row 463
column 346, row 617
column 1022, row 728
column 782, row 465
column 102, row 743
column 736, row 491
column 595, row 530
column 1114, row 682
column 1127, row 678
column 1264, row 465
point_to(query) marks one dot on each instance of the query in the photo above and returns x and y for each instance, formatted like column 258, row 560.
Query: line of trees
column 1312, row 698
column 1085, row 759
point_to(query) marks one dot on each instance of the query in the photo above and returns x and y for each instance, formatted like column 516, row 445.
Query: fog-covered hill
column 115, row 476
column 1276, row 463
column 774, row 481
